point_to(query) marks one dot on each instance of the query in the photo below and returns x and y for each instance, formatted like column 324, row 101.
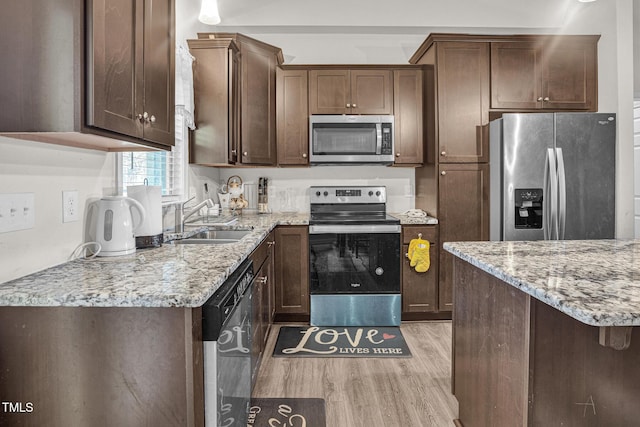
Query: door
column 516, row 70
column 329, row 92
column 463, row 215
column 526, row 139
column 463, row 101
column 587, row 145
column 115, row 64
column 258, row 134
column 158, row 83
column 408, row 114
column 292, row 117
column 292, row 270
column 371, row 92
column 569, row 75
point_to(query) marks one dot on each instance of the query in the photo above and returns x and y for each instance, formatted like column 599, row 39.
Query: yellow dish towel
column 419, row 254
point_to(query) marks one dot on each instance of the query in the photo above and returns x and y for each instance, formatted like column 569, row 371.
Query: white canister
column 150, row 197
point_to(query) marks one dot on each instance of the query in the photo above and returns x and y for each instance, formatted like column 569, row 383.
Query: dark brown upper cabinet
column 408, row 116
column 257, row 91
column 83, row 73
column 216, row 79
column 355, row 91
column 550, row 73
column 130, row 68
column 292, row 117
column 462, row 73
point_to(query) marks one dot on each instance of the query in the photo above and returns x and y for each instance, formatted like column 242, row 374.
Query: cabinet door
column 516, row 70
column 463, row 215
column 420, row 290
column 463, row 101
column 569, row 75
column 292, row 117
column 257, row 320
column 408, row 111
column 292, row 270
column 371, row 92
column 115, row 65
column 159, row 64
column 329, row 92
column 258, row 105
column 215, row 80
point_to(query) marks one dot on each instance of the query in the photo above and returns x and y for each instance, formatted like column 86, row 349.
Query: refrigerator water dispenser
column 528, row 207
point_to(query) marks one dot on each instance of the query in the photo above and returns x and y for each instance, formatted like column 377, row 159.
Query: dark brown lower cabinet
column 292, row 272
column 520, row 362
column 419, row 290
column 99, row 366
column 261, row 301
column 463, row 215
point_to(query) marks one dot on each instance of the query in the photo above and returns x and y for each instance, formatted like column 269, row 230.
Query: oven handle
column 355, row 229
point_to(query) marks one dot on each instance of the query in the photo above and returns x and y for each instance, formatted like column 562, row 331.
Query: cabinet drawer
column 429, row 232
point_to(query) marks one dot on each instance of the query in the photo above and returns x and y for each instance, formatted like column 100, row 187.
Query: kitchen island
column 544, row 333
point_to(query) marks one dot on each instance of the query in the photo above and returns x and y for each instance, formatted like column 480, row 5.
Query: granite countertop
column 169, row 276
column 597, row 282
column 411, row 220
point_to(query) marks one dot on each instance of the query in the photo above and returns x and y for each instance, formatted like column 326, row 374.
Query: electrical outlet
column 17, row 212
column 70, row 206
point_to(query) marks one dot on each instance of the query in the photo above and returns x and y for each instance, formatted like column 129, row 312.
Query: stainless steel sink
column 214, row 237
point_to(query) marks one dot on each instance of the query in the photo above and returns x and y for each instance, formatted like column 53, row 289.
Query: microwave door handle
column 378, row 138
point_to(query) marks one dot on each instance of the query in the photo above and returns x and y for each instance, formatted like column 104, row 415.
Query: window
column 163, row 168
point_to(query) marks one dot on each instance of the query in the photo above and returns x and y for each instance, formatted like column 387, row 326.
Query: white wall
column 46, row 170
column 636, row 160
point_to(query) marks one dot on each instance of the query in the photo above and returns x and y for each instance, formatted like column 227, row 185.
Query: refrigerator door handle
column 550, row 216
column 562, row 194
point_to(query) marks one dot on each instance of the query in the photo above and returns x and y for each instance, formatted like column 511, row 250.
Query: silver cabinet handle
column 348, row 105
column 443, row 154
column 443, row 173
column 152, row 119
column 397, row 154
column 262, row 280
column 354, row 106
column 271, row 243
column 539, row 98
column 245, row 154
column 304, row 155
column 140, row 117
column 546, row 99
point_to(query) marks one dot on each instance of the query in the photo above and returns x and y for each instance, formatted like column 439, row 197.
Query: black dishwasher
column 226, row 336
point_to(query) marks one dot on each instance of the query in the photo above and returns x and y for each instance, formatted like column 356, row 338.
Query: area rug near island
column 315, row 341
column 308, row 412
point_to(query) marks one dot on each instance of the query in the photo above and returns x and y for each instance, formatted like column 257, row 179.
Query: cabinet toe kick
column 616, row 337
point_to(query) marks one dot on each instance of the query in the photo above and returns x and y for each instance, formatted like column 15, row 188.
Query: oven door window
column 345, row 138
column 354, row 263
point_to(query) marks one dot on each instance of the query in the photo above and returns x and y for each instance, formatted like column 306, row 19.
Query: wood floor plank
column 372, row 392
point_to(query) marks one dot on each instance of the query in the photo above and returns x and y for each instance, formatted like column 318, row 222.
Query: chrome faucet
column 181, row 215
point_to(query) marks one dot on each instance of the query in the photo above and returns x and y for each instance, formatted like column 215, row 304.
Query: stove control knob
column 326, row 193
column 379, row 271
column 377, row 193
column 370, row 193
column 317, row 194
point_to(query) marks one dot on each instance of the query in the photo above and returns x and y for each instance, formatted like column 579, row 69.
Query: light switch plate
column 17, row 212
column 70, row 206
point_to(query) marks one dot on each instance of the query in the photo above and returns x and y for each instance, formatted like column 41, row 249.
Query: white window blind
column 162, row 168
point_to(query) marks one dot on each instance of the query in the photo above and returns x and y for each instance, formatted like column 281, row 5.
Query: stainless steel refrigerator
column 552, row 176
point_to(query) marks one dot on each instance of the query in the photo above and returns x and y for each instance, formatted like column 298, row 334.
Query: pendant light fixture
column 209, row 12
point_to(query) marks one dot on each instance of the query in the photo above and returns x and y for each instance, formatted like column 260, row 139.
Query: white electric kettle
column 113, row 225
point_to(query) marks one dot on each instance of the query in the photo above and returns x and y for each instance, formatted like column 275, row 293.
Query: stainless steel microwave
column 350, row 139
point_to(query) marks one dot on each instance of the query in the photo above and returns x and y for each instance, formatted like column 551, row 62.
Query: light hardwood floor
column 369, row 392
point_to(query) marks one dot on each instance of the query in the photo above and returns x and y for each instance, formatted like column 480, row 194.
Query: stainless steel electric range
column 354, row 251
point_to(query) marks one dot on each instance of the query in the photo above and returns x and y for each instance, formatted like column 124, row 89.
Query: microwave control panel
column 387, row 140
